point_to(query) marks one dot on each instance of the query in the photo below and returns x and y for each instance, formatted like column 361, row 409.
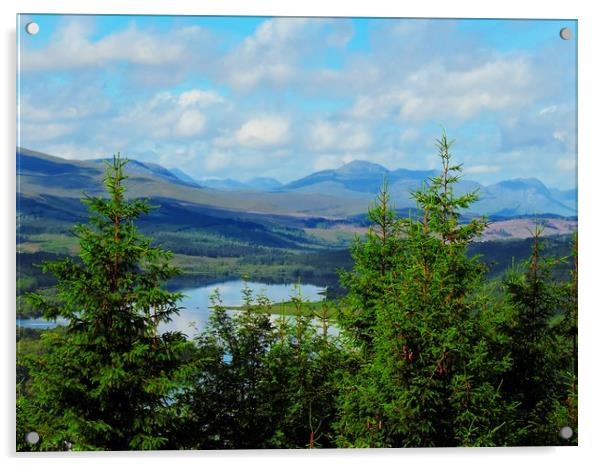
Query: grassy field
column 51, row 242
column 332, row 236
column 265, row 253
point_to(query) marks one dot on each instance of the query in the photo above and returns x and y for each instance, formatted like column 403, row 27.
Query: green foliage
column 228, row 406
column 106, row 382
column 258, row 384
column 377, row 262
column 304, row 362
column 429, row 352
column 543, row 377
column 429, row 379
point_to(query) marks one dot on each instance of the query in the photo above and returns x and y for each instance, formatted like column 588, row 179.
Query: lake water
column 196, row 303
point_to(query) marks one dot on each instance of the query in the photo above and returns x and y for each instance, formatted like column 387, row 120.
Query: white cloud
column 200, row 98
column 169, row 119
column 266, row 56
column 69, row 101
column 168, row 115
column 323, row 136
column 436, row 92
column 549, row 131
column 79, row 151
column 343, row 136
column 359, row 140
column 409, row 135
column 273, row 55
column 548, row 109
column 342, row 33
column 215, row 161
column 567, row 164
column 261, row 132
column 190, row 123
column 326, row 162
column 45, row 131
column 287, row 97
column 72, row 48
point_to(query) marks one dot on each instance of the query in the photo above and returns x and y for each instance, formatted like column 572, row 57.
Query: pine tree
column 430, row 380
column 107, row 381
column 377, row 261
column 259, row 385
column 566, row 412
column 229, row 404
column 542, row 353
column 303, row 363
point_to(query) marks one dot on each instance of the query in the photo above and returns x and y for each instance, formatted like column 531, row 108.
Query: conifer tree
column 228, row 404
column 377, row 261
column 106, row 382
column 260, row 385
column 431, row 380
column 566, row 412
column 541, row 378
column 303, row 363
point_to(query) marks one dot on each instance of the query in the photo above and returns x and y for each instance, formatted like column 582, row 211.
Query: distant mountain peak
column 349, row 189
column 523, row 183
column 137, row 167
column 362, row 167
column 182, row 175
column 263, row 183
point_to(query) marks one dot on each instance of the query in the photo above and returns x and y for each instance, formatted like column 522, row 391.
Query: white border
column 589, row 214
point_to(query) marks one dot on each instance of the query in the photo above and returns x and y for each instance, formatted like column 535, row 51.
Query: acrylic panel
column 270, row 232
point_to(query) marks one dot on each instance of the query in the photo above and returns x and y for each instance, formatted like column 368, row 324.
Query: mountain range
column 337, row 193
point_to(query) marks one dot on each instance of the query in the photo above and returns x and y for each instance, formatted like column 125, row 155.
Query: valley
column 281, row 233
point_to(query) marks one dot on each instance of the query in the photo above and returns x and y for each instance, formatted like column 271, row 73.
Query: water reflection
column 195, row 306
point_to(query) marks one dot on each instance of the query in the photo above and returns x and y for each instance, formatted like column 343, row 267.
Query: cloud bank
column 285, row 96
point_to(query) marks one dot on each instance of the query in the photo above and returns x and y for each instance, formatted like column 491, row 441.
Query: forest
column 420, row 347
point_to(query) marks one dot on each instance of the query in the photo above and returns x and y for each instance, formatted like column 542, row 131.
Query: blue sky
column 241, row 97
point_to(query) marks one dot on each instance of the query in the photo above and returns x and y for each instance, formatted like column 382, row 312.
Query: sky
column 241, row 97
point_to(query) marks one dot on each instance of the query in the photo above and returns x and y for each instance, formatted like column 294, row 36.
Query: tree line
column 422, row 351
